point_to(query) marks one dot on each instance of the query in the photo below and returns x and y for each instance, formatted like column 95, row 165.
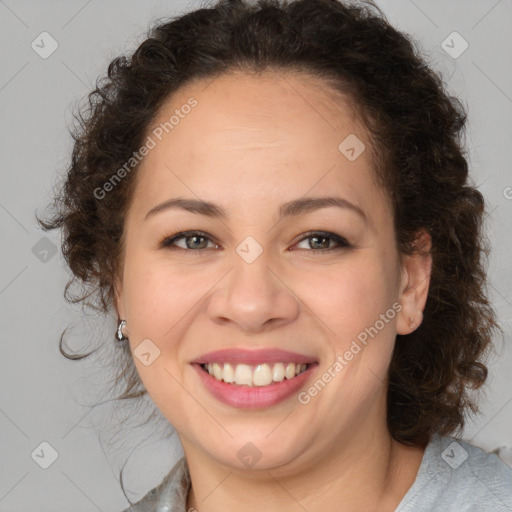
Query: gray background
column 46, row 398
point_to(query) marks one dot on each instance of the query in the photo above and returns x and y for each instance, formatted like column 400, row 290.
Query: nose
column 253, row 297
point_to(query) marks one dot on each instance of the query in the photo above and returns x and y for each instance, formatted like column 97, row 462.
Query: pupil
column 194, row 244
column 324, row 244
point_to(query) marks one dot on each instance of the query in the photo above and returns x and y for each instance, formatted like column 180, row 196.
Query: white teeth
column 217, row 371
column 290, row 371
column 243, row 375
column 228, row 373
column 262, row 375
column 259, row 375
column 278, row 372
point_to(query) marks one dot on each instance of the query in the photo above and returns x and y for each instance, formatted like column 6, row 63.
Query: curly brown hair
column 415, row 128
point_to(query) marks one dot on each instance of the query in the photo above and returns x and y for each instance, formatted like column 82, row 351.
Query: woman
column 274, row 199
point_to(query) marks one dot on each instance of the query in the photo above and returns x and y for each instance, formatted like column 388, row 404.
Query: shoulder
column 457, row 476
column 169, row 495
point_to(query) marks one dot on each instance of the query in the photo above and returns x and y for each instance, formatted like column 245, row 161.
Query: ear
column 414, row 285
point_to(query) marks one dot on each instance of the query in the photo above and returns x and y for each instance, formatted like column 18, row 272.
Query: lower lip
column 253, row 397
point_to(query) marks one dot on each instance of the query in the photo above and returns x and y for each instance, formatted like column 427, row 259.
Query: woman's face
column 259, row 276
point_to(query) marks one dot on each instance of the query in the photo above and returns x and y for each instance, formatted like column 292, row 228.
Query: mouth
column 259, row 375
column 254, row 379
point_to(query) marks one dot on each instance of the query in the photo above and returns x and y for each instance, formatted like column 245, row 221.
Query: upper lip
column 256, row 356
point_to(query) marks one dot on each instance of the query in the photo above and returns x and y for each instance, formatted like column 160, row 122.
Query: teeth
column 289, row 373
column 228, row 373
column 278, row 372
column 243, row 375
column 217, row 371
column 259, row 375
column 262, row 375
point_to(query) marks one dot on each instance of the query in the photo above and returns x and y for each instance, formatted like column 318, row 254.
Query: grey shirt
column 454, row 476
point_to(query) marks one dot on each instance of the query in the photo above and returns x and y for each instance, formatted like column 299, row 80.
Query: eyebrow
column 289, row 209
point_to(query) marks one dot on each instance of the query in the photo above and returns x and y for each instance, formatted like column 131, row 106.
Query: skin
column 253, row 143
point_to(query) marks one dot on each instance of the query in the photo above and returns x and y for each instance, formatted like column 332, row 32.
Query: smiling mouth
column 259, row 375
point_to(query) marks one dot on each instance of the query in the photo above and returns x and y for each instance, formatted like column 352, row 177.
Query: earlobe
column 416, row 269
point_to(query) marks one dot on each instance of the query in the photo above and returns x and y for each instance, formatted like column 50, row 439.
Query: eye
column 317, row 241
column 193, row 240
column 322, row 241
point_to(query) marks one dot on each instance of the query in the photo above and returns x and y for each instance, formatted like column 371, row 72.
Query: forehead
column 239, row 134
column 259, row 107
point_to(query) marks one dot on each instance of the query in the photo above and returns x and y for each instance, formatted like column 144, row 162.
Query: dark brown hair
column 415, row 128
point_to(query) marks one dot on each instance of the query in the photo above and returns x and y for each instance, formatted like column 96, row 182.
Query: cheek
column 350, row 297
column 159, row 295
column 159, row 308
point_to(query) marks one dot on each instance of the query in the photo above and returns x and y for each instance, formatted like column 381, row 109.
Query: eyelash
column 340, row 241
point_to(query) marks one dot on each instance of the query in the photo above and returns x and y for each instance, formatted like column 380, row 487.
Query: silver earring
column 119, row 335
